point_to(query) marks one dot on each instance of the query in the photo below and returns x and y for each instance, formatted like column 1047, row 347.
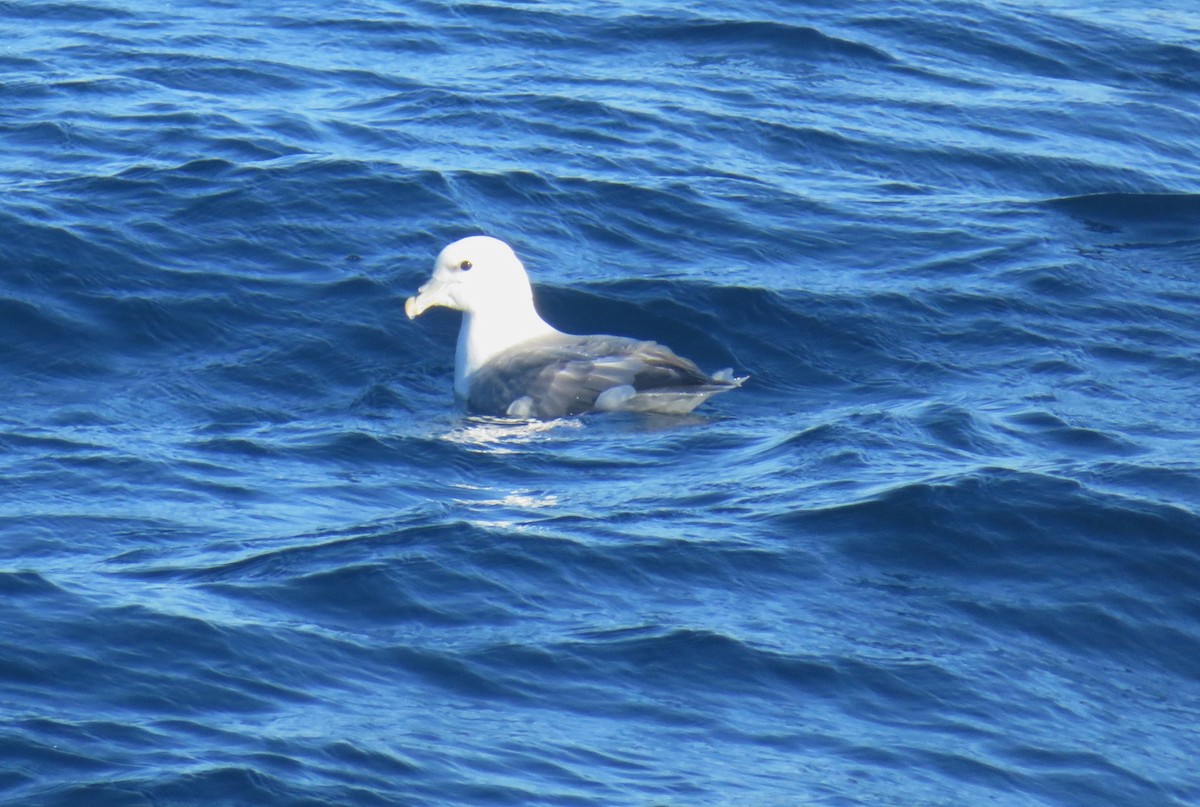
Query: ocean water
column 943, row 548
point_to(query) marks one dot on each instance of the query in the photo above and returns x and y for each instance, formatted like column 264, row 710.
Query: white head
column 474, row 275
column 482, row 277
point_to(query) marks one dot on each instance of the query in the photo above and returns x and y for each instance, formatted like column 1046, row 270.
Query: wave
column 1161, row 216
column 992, row 42
column 997, row 523
column 759, row 37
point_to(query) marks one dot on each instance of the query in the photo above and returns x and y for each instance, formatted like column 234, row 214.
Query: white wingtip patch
column 520, row 408
column 726, row 376
column 614, row 399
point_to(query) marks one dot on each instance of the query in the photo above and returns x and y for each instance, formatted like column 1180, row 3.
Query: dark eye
column 465, row 265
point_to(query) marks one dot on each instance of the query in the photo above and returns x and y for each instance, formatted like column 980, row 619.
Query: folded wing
column 561, row 375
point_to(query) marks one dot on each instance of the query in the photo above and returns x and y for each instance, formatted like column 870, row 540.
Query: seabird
column 511, row 363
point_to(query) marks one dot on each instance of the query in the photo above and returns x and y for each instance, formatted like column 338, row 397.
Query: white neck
column 486, row 334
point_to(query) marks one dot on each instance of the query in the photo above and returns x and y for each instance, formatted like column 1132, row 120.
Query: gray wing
column 561, row 375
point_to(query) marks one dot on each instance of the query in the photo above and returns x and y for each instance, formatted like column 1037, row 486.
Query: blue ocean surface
column 943, row 547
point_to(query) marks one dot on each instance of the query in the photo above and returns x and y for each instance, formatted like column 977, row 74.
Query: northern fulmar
column 511, row 363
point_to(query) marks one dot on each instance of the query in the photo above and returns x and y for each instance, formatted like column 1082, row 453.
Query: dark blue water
column 942, row 549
